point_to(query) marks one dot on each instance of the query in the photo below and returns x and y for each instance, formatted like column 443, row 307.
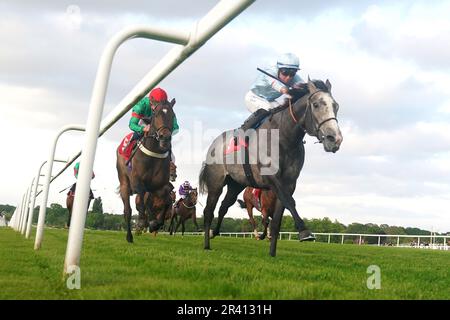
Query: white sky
column 388, row 63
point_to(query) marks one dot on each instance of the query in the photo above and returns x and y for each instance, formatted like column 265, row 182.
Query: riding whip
column 273, row 77
column 65, row 189
column 134, row 151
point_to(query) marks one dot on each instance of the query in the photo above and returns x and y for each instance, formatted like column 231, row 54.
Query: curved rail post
column 19, row 218
column 24, row 209
column 25, row 220
column 33, row 198
column 43, row 207
column 202, row 31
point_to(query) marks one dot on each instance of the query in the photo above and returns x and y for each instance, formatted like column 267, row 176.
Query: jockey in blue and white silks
column 268, row 93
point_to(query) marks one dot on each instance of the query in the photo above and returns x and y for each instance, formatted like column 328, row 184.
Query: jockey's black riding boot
column 254, row 119
column 251, row 122
column 136, row 136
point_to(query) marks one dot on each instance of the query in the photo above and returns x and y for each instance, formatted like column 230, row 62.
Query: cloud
column 413, row 31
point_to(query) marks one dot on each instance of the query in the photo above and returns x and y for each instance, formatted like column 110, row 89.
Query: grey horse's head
column 321, row 117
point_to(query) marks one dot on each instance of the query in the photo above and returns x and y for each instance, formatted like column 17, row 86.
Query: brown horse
column 268, row 200
column 150, row 170
column 69, row 202
column 185, row 210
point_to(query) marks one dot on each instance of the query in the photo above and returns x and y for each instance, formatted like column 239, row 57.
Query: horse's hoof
column 262, row 237
column 211, row 234
column 306, row 235
column 153, row 226
column 130, row 239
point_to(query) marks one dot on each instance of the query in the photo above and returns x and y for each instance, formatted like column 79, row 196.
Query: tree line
column 97, row 219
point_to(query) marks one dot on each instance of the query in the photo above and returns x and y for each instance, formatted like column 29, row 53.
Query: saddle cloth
column 125, row 147
column 257, row 197
column 233, row 147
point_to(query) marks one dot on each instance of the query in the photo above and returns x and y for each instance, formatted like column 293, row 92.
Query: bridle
column 155, row 135
column 313, row 120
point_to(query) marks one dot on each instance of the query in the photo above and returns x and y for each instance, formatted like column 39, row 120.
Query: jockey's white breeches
column 255, row 102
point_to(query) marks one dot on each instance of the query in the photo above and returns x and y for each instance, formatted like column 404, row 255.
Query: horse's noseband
column 156, row 135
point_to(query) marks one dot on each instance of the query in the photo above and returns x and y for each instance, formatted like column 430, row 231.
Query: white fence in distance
column 360, row 238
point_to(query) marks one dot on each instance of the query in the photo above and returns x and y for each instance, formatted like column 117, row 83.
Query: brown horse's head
column 161, row 124
column 192, row 196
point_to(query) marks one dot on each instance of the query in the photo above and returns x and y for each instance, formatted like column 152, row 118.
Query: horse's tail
column 241, row 203
column 203, row 188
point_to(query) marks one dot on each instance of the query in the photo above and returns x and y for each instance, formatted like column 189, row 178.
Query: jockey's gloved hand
column 284, row 90
column 146, row 129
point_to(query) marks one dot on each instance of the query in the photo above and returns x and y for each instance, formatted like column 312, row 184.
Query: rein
column 155, row 136
column 193, row 204
column 188, row 206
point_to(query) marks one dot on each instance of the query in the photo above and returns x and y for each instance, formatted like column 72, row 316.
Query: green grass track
column 165, row 267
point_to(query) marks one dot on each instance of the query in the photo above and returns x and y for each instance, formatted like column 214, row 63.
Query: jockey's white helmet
column 289, row 61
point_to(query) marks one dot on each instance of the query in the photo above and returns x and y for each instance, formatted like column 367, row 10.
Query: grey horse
column 275, row 154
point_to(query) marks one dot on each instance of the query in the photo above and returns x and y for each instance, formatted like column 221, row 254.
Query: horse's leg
column 182, row 227
column 213, row 178
column 69, row 204
column 172, row 220
column 233, row 191
column 252, row 221
column 275, row 227
column 125, row 195
column 178, row 224
column 194, row 220
column 140, row 207
column 265, row 223
column 154, row 225
column 208, row 215
column 289, row 203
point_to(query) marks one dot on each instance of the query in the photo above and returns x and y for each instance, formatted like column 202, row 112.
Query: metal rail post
column 43, row 207
column 33, row 199
column 27, row 208
column 24, row 211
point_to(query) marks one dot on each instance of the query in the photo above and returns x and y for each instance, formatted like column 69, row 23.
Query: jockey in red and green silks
column 143, row 109
column 76, row 168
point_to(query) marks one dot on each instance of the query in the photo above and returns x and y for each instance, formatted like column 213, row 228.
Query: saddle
column 127, row 147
